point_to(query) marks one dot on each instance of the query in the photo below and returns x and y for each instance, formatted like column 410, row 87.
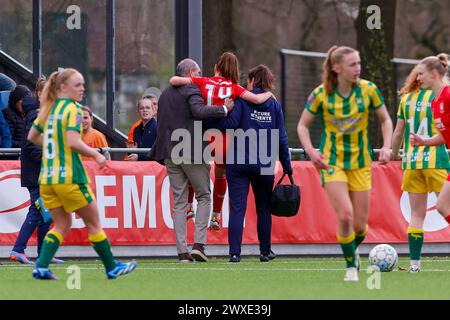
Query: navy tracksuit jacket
column 30, row 161
column 248, row 116
column 145, row 137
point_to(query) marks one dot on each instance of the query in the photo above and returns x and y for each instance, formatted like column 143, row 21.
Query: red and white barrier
column 134, row 201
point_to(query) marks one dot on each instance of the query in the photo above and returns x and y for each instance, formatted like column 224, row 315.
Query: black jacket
column 16, row 125
column 178, row 108
column 31, row 154
column 144, row 137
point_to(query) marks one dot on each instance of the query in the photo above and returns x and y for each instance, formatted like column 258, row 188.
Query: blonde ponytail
column 438, row 63
column 443, row 59
column 50, row 93
column 48, row 98
column 329, row 76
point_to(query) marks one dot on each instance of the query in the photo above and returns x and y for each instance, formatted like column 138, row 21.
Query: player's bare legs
column 443, row 202
column 340, row 200
column 361, row 202
column 90, row 217
column 62, row 221
column 418, row 203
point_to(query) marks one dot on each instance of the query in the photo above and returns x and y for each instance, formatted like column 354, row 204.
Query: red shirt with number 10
column 216, row 89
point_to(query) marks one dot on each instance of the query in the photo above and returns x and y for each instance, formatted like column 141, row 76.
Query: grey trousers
column 199, row 177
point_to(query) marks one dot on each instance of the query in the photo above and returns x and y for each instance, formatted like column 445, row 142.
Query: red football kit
column 216, row 89
column 441, row 113
column 214, row 92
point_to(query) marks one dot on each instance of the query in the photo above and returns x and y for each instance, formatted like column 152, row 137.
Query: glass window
column 16, row 30
column 145, row 53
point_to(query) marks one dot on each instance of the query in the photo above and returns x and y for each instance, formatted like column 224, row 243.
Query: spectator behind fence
column 14, row 114
column 30, row 166
column 153, row 94
column 144, row 135
column 92, row 137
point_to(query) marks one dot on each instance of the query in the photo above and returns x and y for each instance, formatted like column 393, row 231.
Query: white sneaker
column 351, row 274
column 414, row 268
column 357, row 260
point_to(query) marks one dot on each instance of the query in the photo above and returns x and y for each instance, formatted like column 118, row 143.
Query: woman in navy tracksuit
column 256, row 170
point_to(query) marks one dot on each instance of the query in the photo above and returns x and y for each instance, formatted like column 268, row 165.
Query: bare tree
column 377, row 50
column 217, row 32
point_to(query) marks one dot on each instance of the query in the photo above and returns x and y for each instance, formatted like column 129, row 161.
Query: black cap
column 17, row 94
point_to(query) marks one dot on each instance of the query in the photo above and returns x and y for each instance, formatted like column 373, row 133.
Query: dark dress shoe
column 267, row 257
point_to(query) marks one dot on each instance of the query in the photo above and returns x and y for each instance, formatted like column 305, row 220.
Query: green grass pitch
column 282, row 278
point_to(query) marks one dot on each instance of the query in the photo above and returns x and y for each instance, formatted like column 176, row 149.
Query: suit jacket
column 178, row 108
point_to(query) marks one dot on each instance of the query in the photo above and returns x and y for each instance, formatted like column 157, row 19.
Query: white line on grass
column 207, row 269
column 187, row 268
column 209, row 263
column 149, row 263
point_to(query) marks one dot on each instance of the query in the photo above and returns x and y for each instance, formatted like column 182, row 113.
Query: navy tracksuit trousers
column 32, row 221
column 239, row 178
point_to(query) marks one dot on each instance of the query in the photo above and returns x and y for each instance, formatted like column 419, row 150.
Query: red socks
column 220, row 188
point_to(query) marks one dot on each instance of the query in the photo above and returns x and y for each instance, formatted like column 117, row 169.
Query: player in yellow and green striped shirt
column 64, row 184
column 60, row 164
column 343, row 102
column 425, row 167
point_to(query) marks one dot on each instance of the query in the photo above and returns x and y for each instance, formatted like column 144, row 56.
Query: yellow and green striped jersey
column 415, row 110
column 60, row 164
column 345, row 138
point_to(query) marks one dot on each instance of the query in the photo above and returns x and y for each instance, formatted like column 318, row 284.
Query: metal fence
column 301, row 72
column 296, row 153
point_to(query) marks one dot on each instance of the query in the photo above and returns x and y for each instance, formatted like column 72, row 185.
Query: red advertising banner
column 134, row 201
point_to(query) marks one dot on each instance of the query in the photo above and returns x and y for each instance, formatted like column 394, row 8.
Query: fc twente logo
column 14, row 202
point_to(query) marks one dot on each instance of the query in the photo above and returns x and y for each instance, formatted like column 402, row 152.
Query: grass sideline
column 282, row 278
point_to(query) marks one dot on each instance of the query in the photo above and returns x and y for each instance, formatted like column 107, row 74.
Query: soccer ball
column 384, row 257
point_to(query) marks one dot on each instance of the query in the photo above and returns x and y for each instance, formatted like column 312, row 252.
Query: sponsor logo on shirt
column 347, row 125
column 261, row 116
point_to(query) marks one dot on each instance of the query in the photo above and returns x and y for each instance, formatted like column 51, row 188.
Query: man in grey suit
column 178, row 110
